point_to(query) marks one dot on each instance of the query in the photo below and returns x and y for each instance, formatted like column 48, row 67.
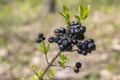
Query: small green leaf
column 39, row 73
column 33, row 67
column 34, row 77
column 83, row 13
column 63, row 60
column 61, row 63
column 77, row 17
column 66, row 15
column 65, row 10
column 62, row 14
column 86, row 12
column 80, row 10
column 47, row 47
column 51, row 73
column 42, row 48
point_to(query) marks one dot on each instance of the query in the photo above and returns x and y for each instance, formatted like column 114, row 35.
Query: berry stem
column 44, row 47
column 50, row 64
column 67, row 32
column 46, row 59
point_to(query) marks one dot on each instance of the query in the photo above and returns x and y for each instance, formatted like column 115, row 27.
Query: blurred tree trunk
column 50, row 6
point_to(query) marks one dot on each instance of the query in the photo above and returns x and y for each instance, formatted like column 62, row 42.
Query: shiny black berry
column 76, row 70
column 78, row 65
column 74, row 41
column 84, row 47
column 59, row 42
column 84, row 52
column 90, row 41
column 91, row 46
column 62, row 48
column 65, row 42
column 38, row 40
column 77, row 31
column 43, row 38
column 56, row 31
column 80, row 37
column 74, row 23
column 40, row 35
column 51, row 39
column 69, row 48
column 83, row 29
column 56, row 39
column 63, row 30
column 79, row 45
column 79, row 51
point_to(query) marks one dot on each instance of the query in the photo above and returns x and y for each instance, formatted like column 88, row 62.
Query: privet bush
column 67, row 37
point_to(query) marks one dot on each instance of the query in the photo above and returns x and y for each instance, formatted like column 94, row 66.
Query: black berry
column 76, row 70
column 91, row 46
column 38, row 40
column 62, row 48
column 78, row 65
column 51, row 39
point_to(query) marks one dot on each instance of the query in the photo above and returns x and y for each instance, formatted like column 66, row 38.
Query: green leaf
column 62, row 14
column 80, row 10
column 51, row 73
column 47, row 47
column 42, row 48
column 83, row 13
column 34, row 77
column 86, row 12
column 65, row 14
column 65, row 10
column 39, row 73
column 77, row 17
column 63, row 60
column 33, row 67
column 62, row 63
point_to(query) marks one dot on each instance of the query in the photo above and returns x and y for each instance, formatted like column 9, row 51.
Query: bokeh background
column 22, row 20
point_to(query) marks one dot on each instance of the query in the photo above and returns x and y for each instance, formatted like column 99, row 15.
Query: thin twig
column 74, row 50
column 41, row 78
column 46, row 58
column 64, row 66
column 35, row 73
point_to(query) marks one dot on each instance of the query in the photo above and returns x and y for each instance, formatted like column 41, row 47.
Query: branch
column 50, row 64
column 35, row 73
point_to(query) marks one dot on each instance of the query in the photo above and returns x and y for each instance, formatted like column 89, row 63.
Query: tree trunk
column 50, row 6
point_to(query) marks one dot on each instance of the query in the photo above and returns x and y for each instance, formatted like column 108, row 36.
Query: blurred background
column 22, row 20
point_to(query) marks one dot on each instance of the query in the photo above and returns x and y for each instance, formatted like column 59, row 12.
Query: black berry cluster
column 77, row 66
column 66, row 38
column 86, row 47
column 71, row 36
column 40, row 38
